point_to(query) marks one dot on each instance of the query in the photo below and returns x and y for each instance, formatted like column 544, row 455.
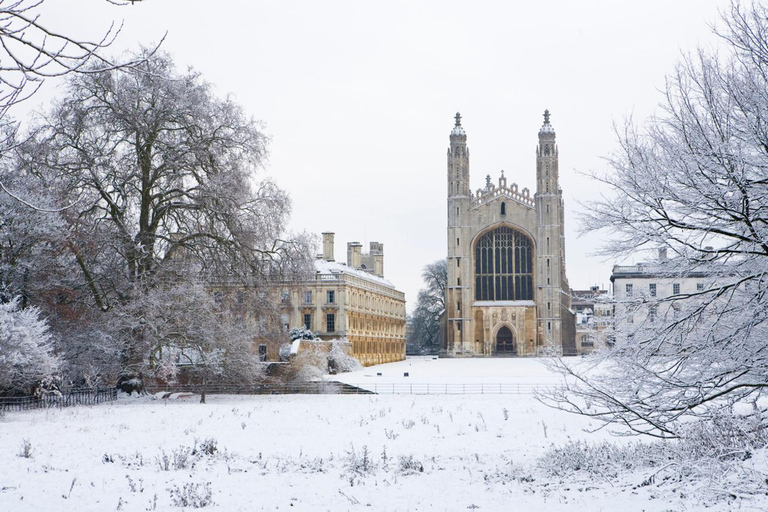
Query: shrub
column 310, row 364
column 604, row 459
column 711, row 450
column 407, row 465
column 26, row 449
column 178, row 459
column 359, row 464
column 301, row 333
column 195, row 495
column 723, row 436
column 26, row 348
column 339, row 360
column 208, row 447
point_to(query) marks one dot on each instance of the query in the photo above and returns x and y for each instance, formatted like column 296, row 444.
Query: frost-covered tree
column 161, row 176
column 26, row 348
column 158, row 168
column 31, row 241
column 424, row 336
column 693, row 180
column 184, row 329
column 30, row 52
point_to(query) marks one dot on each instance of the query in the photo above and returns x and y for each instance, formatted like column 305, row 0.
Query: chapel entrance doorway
column 505, row 342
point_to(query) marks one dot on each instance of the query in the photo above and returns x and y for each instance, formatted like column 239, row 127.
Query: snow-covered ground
column 528, row 373
column 316, row 452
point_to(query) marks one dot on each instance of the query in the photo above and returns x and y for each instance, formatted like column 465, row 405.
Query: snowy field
column 319, row 452
column 528, row 373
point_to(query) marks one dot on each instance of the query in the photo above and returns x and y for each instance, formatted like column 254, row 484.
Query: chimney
column 328, row 247
column 662, row 253
column 354, row 254
column 377, row 254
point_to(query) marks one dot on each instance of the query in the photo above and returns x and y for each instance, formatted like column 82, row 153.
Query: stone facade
column 594, row 315
column 352, row 301
column 507, row 291
column 647, row 283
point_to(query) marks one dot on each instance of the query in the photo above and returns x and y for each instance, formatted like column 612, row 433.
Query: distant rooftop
column 333, row 267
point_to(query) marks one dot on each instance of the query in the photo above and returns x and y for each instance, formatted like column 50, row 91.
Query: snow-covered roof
column 546, row 128
column 333, row 267
column 458, row 130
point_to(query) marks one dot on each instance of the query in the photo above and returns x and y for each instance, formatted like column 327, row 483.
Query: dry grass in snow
column 320, row 452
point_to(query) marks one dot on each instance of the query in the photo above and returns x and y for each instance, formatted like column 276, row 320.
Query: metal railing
column 340, row 388
column 86, row 396
column 65, row 398
column 299, row 388
column 404, row 388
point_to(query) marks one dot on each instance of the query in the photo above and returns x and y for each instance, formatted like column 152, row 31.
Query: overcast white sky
column 359, row 97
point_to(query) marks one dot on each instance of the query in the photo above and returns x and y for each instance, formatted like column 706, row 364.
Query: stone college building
column 507, row 293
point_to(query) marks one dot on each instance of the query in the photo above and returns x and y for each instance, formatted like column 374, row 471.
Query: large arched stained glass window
column 504, row 266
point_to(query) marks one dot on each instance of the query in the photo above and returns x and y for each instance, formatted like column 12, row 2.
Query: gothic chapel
column 507, row 293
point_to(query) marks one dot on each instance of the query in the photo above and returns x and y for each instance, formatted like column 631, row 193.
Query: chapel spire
column 547, row 130
column 458, row 160
column 546, row 159
column 458, row 134
column 459, row 277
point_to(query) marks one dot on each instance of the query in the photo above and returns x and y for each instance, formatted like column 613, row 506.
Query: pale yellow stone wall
column 371, row 315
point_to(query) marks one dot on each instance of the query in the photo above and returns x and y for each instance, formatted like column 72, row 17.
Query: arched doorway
column 505, row 342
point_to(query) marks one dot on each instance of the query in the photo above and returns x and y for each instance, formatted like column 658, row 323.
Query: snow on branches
column 26, row 348
column 691, row 182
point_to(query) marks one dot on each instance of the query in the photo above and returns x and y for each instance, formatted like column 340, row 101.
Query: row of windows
column 330, row 321
column 355, row 323
column 330, row 297
column 359, row 323
column 357, row 300
column 385, row 305
column 629, row 289
column 360, row 348
column 653, row 313
column 382, row 304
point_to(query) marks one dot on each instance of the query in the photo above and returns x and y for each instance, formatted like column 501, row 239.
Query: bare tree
column 424, row 336
column 30, row 53
column 162, row 178
column 183, row 329
column 693, row 181
column 162, row 172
